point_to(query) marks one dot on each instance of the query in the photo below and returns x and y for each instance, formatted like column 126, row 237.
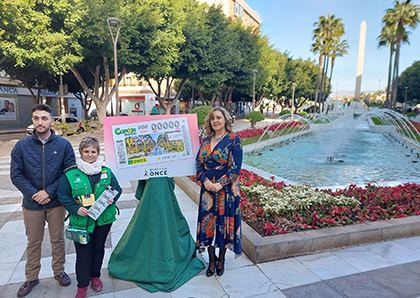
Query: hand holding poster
column 140, row 147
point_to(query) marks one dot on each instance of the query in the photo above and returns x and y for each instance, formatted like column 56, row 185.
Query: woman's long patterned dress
column 219, row 216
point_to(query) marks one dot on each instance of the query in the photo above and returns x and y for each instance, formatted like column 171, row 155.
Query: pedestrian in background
column 37, row 164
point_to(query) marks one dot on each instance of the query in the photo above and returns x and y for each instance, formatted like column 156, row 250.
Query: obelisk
column 360, row 60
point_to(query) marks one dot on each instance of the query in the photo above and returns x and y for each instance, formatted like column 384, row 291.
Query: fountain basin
column 364, row 158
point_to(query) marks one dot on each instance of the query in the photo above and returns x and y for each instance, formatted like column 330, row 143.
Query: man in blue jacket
column 37, row 164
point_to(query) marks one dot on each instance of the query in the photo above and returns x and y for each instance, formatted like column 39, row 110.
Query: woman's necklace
column 219, row 139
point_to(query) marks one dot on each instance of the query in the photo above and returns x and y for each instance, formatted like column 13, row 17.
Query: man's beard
column 43, row 131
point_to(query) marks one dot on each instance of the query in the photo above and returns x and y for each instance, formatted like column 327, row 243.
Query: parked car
column 94, row 114
column 75, row 125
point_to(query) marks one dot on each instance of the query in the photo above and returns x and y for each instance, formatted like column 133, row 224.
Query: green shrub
column 201, row 112
column 377, row 121
column 412, row 114
column 254, row 117
column 284, row 112
column 303, row 114
column 91, row 125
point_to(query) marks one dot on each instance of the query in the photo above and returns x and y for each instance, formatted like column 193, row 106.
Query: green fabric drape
column 157, row 250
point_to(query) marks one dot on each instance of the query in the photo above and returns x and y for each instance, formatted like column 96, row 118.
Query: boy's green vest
column 80, row 185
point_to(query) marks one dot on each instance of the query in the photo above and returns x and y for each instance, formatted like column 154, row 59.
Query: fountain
column 339, row 143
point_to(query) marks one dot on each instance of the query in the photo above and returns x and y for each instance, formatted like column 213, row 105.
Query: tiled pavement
column 387, row 269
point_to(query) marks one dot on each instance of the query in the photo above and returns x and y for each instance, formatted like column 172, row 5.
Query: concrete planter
column 264, row 249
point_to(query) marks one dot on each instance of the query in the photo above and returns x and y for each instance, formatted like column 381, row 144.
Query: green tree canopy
column 410, row 78
column 403, row 15
column 39, row 39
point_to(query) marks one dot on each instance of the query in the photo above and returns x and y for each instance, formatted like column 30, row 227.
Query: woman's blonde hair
column 89, row 141
column 207, row 125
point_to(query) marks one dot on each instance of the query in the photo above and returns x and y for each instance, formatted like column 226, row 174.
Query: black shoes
column 210, row 272
column 220, row 271
column 216, row 265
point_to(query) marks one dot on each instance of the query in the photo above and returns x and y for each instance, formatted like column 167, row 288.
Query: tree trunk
column 320, row 99
column 224, row 97
column 331, row 73
column 325, row 82
column 100, row 95
column 388, row 87
column 395, row 81
column 213, row 99
column 201, row 95
column 321, row 57
column 166, row 97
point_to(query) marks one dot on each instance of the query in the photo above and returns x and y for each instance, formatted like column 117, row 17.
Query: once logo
column 155, row 173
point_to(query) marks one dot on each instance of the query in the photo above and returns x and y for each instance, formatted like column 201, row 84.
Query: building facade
column 16, row 102
column 238, row 8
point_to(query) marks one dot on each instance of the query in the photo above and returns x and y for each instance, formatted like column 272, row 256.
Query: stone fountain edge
column 265, row 249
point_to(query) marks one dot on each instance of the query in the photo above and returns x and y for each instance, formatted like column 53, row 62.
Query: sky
column 289, row 26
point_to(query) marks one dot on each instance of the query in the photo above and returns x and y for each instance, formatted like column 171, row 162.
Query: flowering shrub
column 416, row 125
column 249, row 133
column 247, row 178
column 274, row 208
column 296, row 208
column 295, row 198
column 284, row 125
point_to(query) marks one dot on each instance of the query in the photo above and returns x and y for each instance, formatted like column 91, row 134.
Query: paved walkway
column 387, row 269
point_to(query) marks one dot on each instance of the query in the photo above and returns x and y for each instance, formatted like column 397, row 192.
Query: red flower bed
column 416, row 125
column 249, row 133
column 284, row 125
column 376, row 203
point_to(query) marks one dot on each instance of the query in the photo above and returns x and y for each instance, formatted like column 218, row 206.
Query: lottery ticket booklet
column 102, row 202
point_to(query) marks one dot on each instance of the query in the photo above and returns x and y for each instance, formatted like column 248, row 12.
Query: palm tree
column 328, row 29
column 402, row 15
column 387, row 38
column 317, row 47
column 327, row 53
column 339, row 49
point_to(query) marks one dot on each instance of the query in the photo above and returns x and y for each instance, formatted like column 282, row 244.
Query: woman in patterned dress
column 218, row 164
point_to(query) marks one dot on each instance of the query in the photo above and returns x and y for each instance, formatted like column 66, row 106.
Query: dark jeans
column 89, row 256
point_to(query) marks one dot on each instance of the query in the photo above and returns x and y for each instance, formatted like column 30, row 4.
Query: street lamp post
column 254, row 73
column 405, row 99
column 63, row 109
column 293, row 99
column 310, row 100
column 115, row 21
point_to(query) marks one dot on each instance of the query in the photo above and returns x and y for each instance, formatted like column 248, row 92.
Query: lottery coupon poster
column 142, row 147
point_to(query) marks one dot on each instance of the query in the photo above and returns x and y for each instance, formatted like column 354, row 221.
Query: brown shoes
column 27, row 287
column 63, row 279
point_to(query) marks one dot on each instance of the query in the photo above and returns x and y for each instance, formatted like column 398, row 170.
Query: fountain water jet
column 334, row 135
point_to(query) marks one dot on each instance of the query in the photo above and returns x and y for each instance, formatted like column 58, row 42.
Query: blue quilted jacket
column 35, row 166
